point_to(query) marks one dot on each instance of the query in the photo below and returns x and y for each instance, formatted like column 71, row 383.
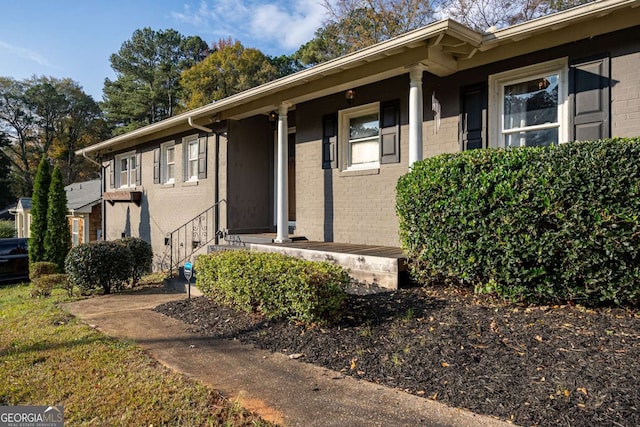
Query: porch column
column 415, row 113
column 282, row 223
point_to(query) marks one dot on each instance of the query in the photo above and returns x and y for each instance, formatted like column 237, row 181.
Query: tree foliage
column 356, row 24
column 46, row 116
column 39, row 209
column 484, row 14
column 229, row 69
column 57, row 240
column 148, row 67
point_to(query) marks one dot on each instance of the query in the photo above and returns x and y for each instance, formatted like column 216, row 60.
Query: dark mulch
column 535, row 366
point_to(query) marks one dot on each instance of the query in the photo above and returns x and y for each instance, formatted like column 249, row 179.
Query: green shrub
column 7, row 229
column 533, row 224
column 274, row 285
column 102, row 264
column 141, row 257
column 43, row 285
column 41, row 268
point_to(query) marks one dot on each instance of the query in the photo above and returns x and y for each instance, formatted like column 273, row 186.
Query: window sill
column 168, row 185
column 359, row 172
column 190, row 183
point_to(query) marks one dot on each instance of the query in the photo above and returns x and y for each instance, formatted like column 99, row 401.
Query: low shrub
column 103, row 264
column 41, row 268
column 274, row 285
column 141, row 257
column 43, row 285
column 533, row 224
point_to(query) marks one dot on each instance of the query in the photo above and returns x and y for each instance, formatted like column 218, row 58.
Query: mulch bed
column 535, row 366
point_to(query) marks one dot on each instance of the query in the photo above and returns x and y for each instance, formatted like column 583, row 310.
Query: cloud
column 27, row 54
column 268, row 25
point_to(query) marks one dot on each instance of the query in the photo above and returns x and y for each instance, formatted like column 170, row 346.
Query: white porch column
column 415, row 113
column 282, row 223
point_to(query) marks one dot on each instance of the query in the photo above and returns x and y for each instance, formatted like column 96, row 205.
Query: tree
column 17, row 123
column 229, row 69
column 356, row 24
column 148, row 68
column 57, row 240
column 484, row 14
column 6, row 192
column 39, row 210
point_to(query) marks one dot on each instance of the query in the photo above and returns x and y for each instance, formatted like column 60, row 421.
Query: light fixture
column 350, row 95
column 273, row 116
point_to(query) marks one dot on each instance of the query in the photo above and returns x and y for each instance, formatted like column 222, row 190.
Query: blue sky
column 74, row 38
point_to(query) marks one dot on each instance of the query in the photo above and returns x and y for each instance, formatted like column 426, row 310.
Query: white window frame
column 164, row 163
column 189, row 174
column 75, row 232
column 131, row 173
column 497, row 83
column 344, row 118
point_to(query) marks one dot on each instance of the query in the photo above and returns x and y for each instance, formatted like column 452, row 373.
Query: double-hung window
column 75, row 232
column 168, row 165
column 191, row 158
column 126, row 169
column 531, row 105
column 360, row 136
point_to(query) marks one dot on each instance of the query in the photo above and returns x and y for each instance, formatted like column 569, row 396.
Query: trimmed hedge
column 141, row 257
column 102, row 264
column 41, row 268
column 530, row 224
column 274, row 285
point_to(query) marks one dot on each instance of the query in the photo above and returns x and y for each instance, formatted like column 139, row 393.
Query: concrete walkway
column 288, row 392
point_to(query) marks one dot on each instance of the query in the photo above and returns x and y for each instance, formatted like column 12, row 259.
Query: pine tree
column 39, row 207
column 57, row 238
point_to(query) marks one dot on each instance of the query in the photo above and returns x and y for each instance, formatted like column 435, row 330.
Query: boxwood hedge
column 531, row 224
column 272, row 284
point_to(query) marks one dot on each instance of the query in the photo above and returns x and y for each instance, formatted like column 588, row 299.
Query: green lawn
column 47, row 357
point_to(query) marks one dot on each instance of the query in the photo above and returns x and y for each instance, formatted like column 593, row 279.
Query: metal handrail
column 198, row 237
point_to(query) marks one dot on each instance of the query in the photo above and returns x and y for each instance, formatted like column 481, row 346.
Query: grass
column 47, row 357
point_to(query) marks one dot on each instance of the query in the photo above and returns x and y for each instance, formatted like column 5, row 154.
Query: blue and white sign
column 188, row 271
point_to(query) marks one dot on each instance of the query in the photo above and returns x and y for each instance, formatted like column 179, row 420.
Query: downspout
column 103, row 209
column 197, row 126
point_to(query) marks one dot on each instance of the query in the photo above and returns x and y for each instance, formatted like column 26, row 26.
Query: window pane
column 530, row 103
column 171, row 172
column 133, row 162
column 193, row 150
column 533, row 138
column 193, row 168
column 124, row 165
column 171, row 152
column 366, row 151
column 363, row 126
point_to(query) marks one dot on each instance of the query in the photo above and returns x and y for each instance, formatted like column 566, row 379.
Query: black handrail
column 185, row 240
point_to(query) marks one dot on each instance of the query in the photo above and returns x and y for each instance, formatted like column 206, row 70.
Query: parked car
column 14, row 259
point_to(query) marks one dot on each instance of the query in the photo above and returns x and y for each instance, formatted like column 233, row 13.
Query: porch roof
column 444, row 48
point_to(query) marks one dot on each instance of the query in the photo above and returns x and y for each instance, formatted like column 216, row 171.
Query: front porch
column 379, row 266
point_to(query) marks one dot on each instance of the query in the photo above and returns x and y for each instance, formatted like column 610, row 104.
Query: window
column 359, row 130
column 127, row 170
column 75, row 232
column 195, row 157
column 531, row 105
column 168, row 163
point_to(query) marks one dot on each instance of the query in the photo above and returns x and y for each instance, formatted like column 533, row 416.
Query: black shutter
column 138, row 169
column 390, row 132
column 473, row 120
column 112, row 173
column 202, row 157
column 590, row 97
column 156, row 165
column 330, row 142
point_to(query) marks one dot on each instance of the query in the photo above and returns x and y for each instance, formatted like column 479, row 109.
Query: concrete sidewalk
column 289, row 392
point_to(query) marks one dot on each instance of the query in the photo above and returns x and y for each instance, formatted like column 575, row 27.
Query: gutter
column 197, row 126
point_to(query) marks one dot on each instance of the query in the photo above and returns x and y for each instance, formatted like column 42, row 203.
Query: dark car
column 14, row 259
